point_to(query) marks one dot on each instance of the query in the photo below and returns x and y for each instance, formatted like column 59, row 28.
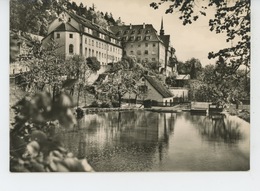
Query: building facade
column 76, row 35
column 144, row 44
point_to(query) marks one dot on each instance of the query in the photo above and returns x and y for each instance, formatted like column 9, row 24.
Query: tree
column 32, row 15
column 231, row 17
column 122, row 79
column 93, row 63
column 194, row 67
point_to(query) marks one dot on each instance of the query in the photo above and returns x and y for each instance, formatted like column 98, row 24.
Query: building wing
column 158, row 86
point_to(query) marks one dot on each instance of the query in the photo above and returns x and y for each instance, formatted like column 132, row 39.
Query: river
column 150, row 141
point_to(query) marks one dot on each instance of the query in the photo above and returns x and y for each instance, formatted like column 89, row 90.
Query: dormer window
column 126, row 31
column 139, row 31
column 147, row 37
column 132, row 38
column 138, row 38
column 71, row 35
column 133, row 32
column 147, row 31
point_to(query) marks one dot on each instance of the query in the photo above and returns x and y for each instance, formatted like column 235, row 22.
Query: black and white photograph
column 129, row 86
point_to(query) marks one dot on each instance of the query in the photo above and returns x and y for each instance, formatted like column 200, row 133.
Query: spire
column 162, row 30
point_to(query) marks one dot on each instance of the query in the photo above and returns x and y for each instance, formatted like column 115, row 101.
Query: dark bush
column 115, row 104
column 79, row 112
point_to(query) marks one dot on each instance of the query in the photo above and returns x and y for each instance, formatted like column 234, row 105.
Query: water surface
column 151, row 141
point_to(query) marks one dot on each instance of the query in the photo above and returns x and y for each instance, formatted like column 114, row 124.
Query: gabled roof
column 135, row 31
column 158, row 86
column 66, row 27
column 87, row 23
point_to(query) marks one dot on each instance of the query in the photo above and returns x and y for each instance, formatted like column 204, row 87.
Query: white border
column 224, row 181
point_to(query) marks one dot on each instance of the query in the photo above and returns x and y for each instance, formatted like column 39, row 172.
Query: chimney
column 143, row 25
column 130, row 26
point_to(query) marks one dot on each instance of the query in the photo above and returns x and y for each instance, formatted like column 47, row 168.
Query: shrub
column 33, row 148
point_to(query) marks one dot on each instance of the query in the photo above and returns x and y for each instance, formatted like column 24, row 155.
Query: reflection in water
column 219, row 127
column 150, row 141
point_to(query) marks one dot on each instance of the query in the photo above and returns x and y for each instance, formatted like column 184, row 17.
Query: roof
column 100, row 79
column 87, row 23
column 131, row 32
column 183, row 77
column 66, row 27
column 165, row 39
column 158, row 86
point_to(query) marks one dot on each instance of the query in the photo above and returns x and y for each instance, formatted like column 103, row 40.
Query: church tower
column 162, row 30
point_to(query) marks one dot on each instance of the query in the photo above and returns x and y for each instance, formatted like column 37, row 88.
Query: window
column 139, row 45
column 154, row 44
column 100, row 45
column 97, row 44
column 96, row 53
column 92, row 42
column 146, row 52
column 89, row 41
column 147, row 37
column 131, row 52
column 89, row 52
column 140, row 31
column 132, row 38
column 92, row 53
column 86, row 41
column 138, row 38
column 153, row 59
column 58, row 35
column 147, row 31
column 126, row 31
column 133, row 32
column 86, row 52
column 71, row 35
column 124, row 38
column 71, row 47
column 146, row 44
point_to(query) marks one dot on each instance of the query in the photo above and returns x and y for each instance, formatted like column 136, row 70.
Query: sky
column 192, row 41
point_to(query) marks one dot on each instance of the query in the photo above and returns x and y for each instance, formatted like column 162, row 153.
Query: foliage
column 106, row 105
column 171, row 80
column 210, row 87
column 122, row 79
column 94, row 104
column 33, row 147
column 80, row 113
column 93, row 63
column 32, row 15
column 191, row 66
column 231, row 17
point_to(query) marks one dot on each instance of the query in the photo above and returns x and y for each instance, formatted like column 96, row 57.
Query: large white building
column 77, row 35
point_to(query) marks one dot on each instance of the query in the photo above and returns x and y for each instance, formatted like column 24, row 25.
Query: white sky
column 193, row 40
